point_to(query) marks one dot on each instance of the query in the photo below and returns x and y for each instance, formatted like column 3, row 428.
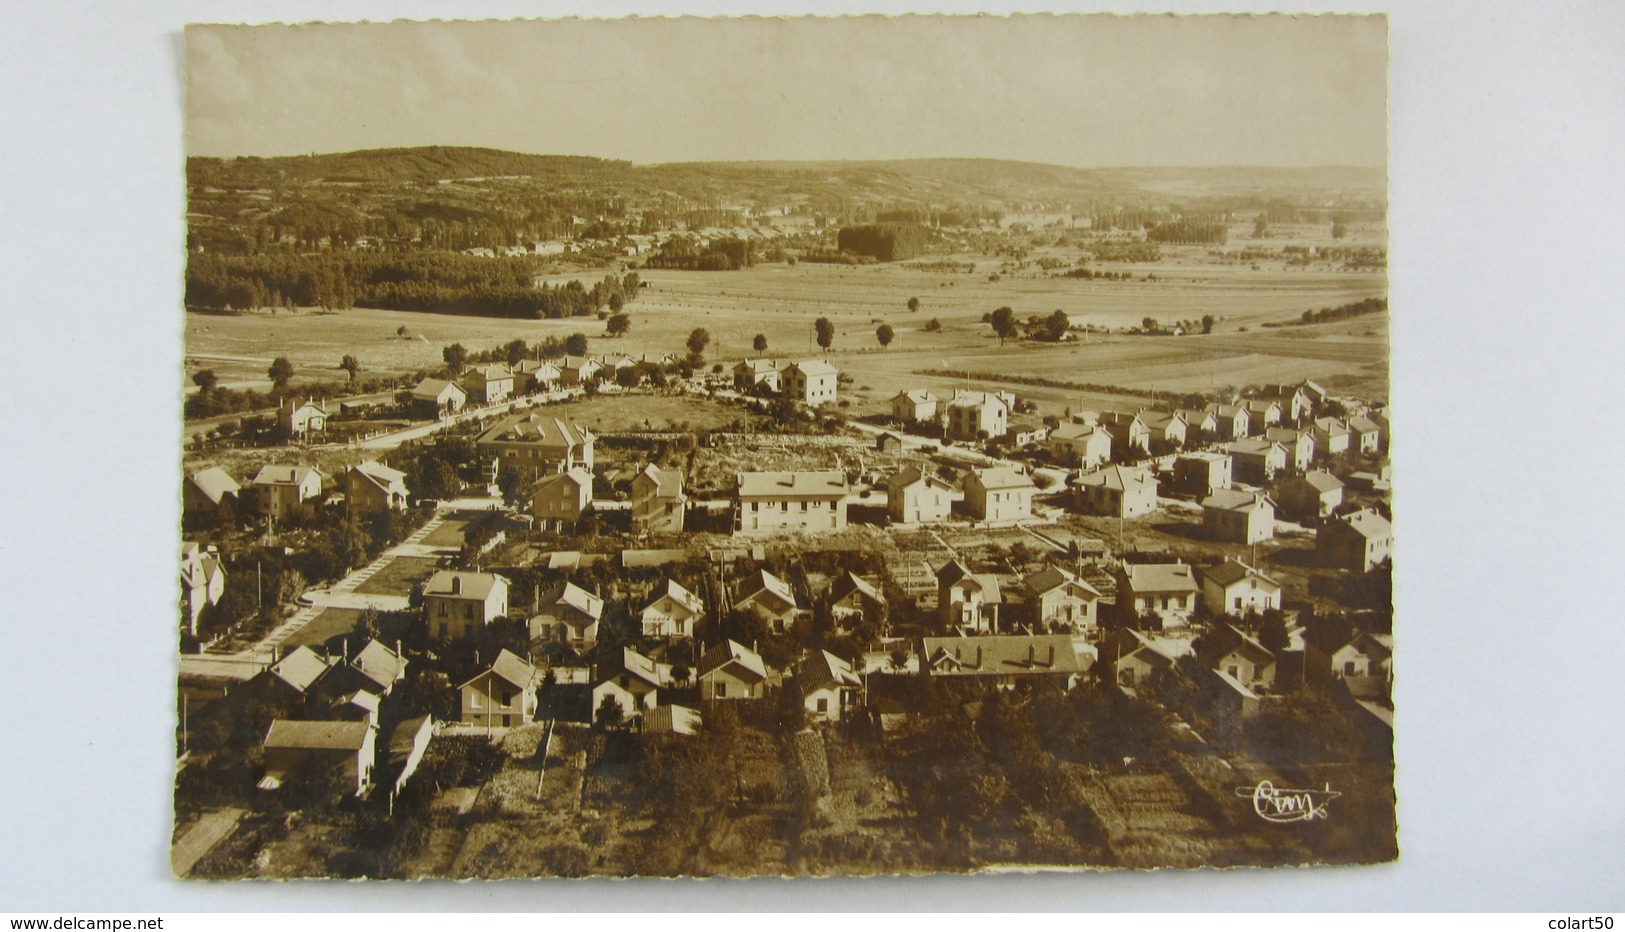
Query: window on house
column 722, row 690
column 442, row 611
column 1349, row 668
column 468, row 611
column 823, row 704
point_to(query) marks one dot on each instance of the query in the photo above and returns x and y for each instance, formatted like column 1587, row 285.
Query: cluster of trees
column 1188, row 232
column 1131, row 251
column 1101, row 275
column 719, row 255
column 444, row 282
column 1345, row 311
column 1006, row 326
column 885, row 242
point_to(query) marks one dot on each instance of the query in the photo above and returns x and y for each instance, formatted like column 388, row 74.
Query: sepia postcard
column 795, row 447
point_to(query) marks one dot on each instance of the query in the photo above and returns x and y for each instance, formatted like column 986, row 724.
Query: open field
column 634, row 413
column 782, row 301
column 399, row 576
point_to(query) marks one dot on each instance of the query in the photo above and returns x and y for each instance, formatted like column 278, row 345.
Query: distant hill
column 420, row 164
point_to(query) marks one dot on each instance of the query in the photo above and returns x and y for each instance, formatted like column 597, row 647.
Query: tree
column 1207, row 323
column 401, row 331
column 826, row 332
column 1339, row 229
column 616, row 302
column 1056, row 325
column 281, row 372
column 1148, row 324
column 610, row 712
column 884, row 334
column 626, row 377
column 1261, row 226
column 515, row 351
column 1004, row 324
column 760, row 343
column 619, row 325
column 351, row 365
column 933, row 325
column 205, row 379
column 698, row 339
column 575, row 344
column 914, row 305
column 455, row 356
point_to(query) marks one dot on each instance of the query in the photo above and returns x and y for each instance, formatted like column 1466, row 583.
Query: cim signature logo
column 1278, row 804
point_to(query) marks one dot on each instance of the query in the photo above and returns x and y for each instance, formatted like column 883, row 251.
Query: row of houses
column 279, row 489
column 812, row 382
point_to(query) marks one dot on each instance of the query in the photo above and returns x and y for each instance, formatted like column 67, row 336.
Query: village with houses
column 495, row 637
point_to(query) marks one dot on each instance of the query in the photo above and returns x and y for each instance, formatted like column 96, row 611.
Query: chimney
column 978, row 656
column 1031, row 653
column 1052, row 655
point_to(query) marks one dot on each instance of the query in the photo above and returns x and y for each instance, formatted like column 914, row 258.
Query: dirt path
column 201, row 838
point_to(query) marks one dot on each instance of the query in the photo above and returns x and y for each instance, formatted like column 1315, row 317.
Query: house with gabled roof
column 1300, row 446
column 1357, row 541
column 1003, row 660
column 749, row 373
column 853, row 597
column 1311, row 496
column 203, row 582
column 1294, row 401
column 1133, row 659
column 1166, row 591
column 1335, row 649
column 731, row 670
column 371, row 488
column 658, row 502
column 771, row 598
column 779, row 502
column 1256, row 461
column 1231, row 422
column 281, row 490
column 1317, row 394
column 999, row 493
column 209, row 488
column 535, row 443
column 1366, row 434
column 1263, row 413
column 917, row 497
column 299, row 421
column 1237, row 656
column 1238, row 517
column 914, row 405
column 490, row 384
column 578, row 370
column 1234, row 588
column 1202, row 473
column 968, row 601
column 374, row 669
column 1082, row 445
column 973, row 415
column 1056, row 597
column 343, row 749
column 1129, row 433
column 437, row 398
column 632, row 680
column 812, row 382
column 671, row 611
column 825, row 685
column 567, row 614
column 1331, row 436
column 1117, row 492
column 558, row 501
column 458, row 603
column 1165, row 430
column 502, row 695
column 535, row 375
column 1200, row 425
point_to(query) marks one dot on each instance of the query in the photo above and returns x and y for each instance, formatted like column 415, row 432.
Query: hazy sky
column 1072, row 90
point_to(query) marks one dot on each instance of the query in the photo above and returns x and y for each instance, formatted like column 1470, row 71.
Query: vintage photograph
column 795, row 447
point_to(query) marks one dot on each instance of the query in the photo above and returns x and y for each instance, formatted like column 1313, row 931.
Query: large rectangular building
column 765, row 502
